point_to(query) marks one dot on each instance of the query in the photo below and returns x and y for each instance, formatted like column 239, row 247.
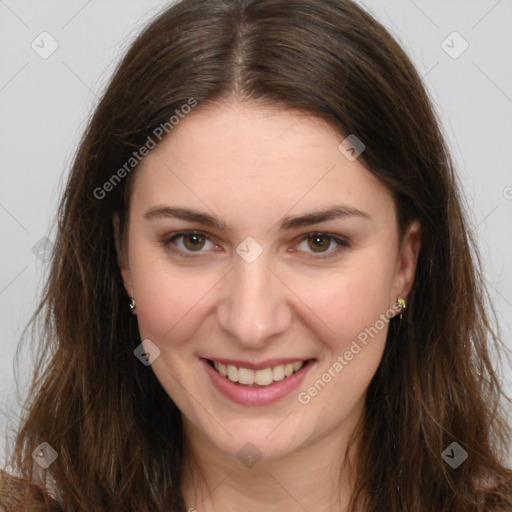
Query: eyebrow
column 287, row 223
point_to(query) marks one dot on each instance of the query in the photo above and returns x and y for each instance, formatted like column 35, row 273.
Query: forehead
column 244, row 137
column 260, row 158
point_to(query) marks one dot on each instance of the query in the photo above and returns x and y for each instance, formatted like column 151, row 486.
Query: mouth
column 263, row 384
column 258, row 378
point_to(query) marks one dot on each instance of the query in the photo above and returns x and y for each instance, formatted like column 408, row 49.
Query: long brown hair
column 117, row 433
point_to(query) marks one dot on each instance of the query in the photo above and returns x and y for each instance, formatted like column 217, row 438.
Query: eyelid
column 168, row 240
column 341, row 241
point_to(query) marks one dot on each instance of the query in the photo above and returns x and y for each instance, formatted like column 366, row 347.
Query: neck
column 316, row 477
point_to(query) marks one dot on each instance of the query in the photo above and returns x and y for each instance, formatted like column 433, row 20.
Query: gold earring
column 401, row 305
column 132, row 303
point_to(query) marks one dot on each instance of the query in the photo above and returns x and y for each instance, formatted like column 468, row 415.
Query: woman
column 263, row 291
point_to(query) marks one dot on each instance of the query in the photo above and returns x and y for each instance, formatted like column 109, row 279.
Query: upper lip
column 269, row 363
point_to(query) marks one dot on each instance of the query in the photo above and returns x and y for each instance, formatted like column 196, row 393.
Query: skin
column 251, row 166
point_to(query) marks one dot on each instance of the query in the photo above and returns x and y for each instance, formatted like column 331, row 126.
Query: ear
column 407, row 259
column 122, row 260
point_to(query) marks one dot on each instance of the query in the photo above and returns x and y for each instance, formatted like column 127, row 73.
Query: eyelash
column 342, row 243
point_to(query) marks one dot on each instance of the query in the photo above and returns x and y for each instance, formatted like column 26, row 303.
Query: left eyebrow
column 336, row 212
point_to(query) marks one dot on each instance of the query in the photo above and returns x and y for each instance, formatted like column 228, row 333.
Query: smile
column 263, row 377
column 263, row 384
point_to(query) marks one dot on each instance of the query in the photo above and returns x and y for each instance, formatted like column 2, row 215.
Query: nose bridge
column 254, row 306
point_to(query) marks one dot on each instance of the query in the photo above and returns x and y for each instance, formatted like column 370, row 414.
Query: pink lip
column 246, row 395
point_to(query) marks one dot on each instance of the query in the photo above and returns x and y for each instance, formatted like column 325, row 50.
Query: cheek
column 356, row 310
column 349, row 301
column 354, row 304
column 168, row 299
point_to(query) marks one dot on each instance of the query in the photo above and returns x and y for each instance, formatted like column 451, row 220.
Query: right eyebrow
column 185, row 214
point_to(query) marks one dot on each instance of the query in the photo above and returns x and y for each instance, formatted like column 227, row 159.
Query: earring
column 132, row 303
column 401, row 305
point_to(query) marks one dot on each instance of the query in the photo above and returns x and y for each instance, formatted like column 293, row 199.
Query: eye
column 319, row 244
column 188, row 242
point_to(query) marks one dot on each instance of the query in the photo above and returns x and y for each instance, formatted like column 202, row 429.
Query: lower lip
column 246, row 395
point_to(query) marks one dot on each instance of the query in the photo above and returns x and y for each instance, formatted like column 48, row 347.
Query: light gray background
column 45, row 104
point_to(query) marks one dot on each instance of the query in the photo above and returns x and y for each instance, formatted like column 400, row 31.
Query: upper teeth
column 263, row 377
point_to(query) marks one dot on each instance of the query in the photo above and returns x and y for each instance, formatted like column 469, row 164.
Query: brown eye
column 320, row 246
column 319, row 243
column 193, row 241
column 186, row 243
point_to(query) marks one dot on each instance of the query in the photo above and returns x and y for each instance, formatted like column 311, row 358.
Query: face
column 232, row 259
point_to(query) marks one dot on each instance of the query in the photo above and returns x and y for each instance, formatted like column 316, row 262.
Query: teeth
column 297, row 366
column 278, row 372
column 232, row 373
column 245, row 376
column 263, row 377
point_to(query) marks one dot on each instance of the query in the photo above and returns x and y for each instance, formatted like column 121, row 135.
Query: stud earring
column 401, row 305
column 132, row 303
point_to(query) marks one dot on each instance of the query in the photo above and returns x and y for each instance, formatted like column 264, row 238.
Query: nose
column 254, row 308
